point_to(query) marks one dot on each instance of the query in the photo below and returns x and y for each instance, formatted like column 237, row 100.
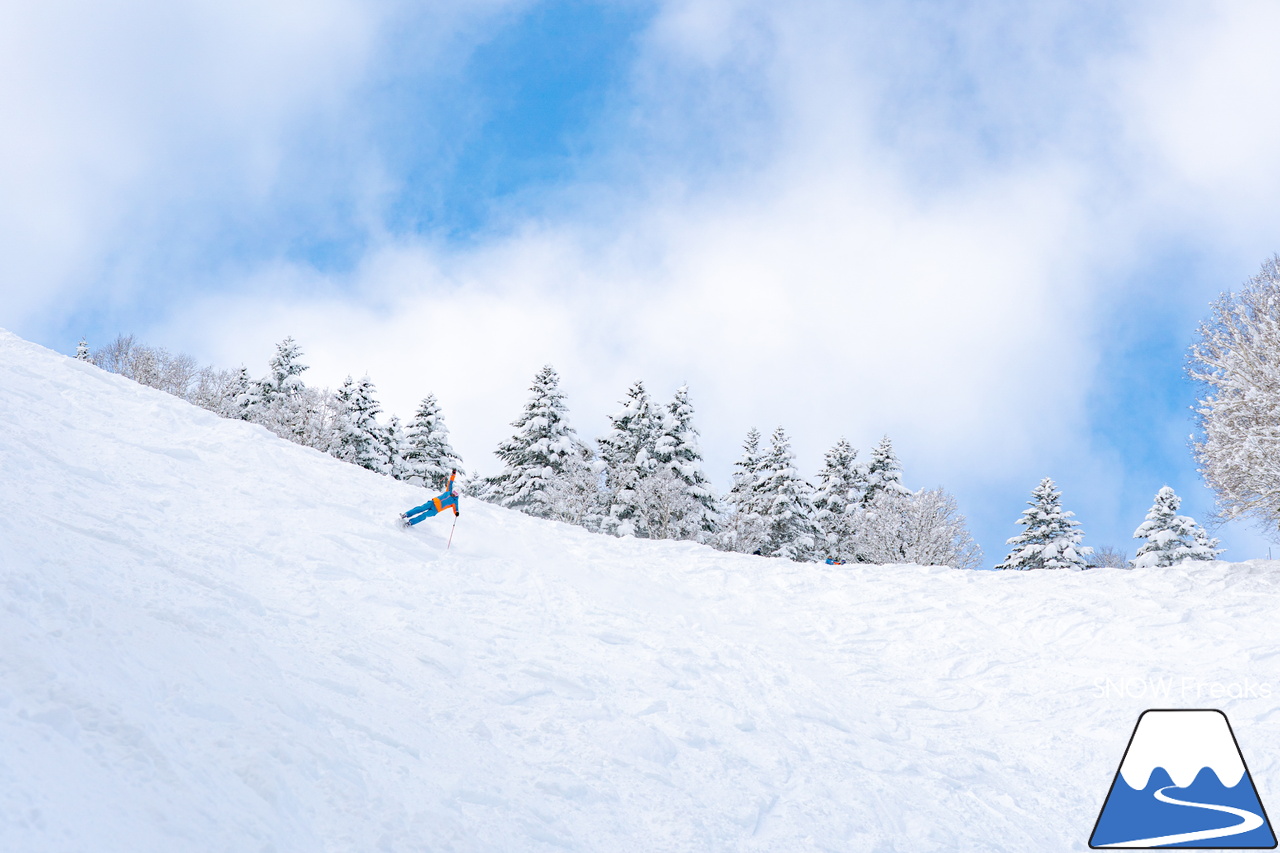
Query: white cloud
column 819, row 291
column 822, row 308
column 135, row 128
column 1199, row 102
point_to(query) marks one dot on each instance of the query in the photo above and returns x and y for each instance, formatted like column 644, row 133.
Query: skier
column 447, row 498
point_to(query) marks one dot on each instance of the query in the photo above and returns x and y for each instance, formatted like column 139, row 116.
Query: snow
column 214, row 640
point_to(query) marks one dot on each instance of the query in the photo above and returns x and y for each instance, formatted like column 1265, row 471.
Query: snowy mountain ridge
column 212, row 639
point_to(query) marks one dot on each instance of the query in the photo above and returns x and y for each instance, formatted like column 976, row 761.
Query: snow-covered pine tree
column 82, row 351
column 358, row 437
column 395, row 446
column 279, row 400
column 786, row 504
column 841, row 484
column 539, row 453
column 1052, row 536
column 285, row 378
column 742, row 527
column 627, row 452
column 1204, row 547
column 241, row 397
column 1171, row 538
column 884, row 473
column 693, row 511
column 430, row 456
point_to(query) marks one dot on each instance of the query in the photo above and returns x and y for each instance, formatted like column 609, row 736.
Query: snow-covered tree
column 1052, row 536
column 786, row 504
column 1171, row 538
column 924, row 527
column 240, row 396
column 627, row 452
column 116, row 356
column 576, row 495
column 154, row 367
column 315, row 419
column 395, row 445
column 216, row 391
column 542, row 450
column 359, row 439
column 693, row 511
column 743, row 528
column 429, row 455
column 1205, row 547
column 1108, row 557
column 841, row 484
column 884, row 473
column 664, row 509
column 746, row 474
column 1237, row 358
column 82, row 351
column 285, row 378
column 281, row 401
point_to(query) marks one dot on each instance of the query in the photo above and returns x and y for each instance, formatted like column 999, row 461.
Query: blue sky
column 985, row 229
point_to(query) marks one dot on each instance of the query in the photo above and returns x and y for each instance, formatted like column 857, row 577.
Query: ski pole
column 451, row 529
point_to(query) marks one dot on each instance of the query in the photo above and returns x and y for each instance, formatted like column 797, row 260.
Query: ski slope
column 213, row 640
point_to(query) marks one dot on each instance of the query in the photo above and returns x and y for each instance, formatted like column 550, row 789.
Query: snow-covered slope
column 212, row 640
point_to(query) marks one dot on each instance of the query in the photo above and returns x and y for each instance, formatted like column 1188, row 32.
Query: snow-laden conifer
column 542, row 450
column 359, row 439
column 786, row 504
column 742, row 527
column 395, row 446
column 693, row 511
column 838, row 497
column 1171, row 538
column 627, row 451
column 428, row 453
column 280, row 400
column 1052, row 536
column 884, row 473
column 82, row 351
column 285, row 377
column 240, row 397
column 1205, row 547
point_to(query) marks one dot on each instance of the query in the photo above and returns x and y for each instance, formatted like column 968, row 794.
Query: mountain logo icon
column 1183, row 783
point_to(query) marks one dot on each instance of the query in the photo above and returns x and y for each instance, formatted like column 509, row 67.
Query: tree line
column 644, row 477
column 342, row 423
column 1052, row 538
